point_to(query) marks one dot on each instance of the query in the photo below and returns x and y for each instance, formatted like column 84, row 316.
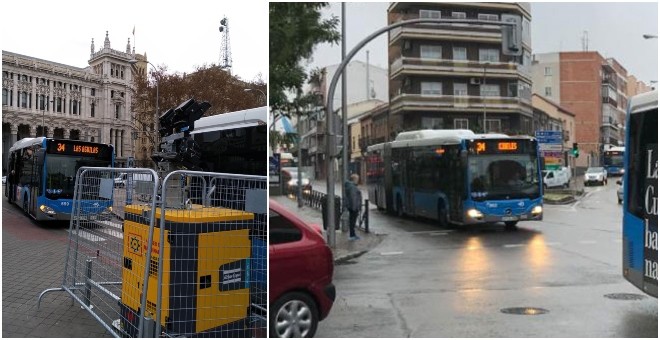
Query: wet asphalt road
column 425, row 281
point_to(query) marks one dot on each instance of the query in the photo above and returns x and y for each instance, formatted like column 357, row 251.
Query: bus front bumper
column 476, row 217
column 55, row 216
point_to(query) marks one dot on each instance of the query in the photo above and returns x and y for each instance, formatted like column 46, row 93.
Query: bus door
column 407, row 182
column 10, row 178
column 456, row 185
column 36, row 181
column 388, row 183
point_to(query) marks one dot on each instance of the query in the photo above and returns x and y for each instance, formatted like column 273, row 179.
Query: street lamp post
column 483, row 98
column 262, row 93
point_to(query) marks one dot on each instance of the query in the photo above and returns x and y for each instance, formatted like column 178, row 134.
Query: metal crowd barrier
column 317, row 200
column 190, row 262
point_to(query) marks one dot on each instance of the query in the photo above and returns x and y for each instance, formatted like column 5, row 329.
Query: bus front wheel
column 511, row 225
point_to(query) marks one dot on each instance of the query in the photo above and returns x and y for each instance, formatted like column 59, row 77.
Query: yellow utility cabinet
column 206, row 270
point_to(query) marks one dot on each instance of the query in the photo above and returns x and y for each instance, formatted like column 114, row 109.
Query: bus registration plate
column 509, row 218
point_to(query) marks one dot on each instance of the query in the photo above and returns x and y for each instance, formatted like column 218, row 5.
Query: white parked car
column 557, row 178
column 120, row 181
column 595, row 175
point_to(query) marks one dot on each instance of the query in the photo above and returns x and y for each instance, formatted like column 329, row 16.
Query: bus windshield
column 503, row 176
column 61, row 173
column 614, row 158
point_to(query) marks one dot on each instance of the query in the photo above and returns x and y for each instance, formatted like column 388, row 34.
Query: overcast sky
column 614, row 29
column 179, row 34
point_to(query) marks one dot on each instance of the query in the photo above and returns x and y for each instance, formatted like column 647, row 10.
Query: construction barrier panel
column 188, row 261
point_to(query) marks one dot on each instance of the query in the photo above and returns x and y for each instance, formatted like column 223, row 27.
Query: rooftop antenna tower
column 585, row 41
column 225, row 49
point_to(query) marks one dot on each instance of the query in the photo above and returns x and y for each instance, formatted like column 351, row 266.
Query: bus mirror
column 464, row 157
column 39, row 155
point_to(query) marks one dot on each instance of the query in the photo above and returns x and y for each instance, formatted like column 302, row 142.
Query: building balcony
column 406, row 66
column 449, row 32
column 418, row 102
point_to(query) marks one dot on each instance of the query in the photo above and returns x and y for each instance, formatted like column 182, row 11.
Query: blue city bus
column 42, row 175
column 613, row 161
column 640, row 194
column 458, row 177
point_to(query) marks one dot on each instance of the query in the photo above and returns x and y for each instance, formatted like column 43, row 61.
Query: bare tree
column 210, row 83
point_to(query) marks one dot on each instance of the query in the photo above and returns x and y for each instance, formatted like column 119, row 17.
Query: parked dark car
column 300, row 275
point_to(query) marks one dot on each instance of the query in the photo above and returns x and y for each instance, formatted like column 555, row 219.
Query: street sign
column 512, row 35
column 550, row 137
column 551, row 147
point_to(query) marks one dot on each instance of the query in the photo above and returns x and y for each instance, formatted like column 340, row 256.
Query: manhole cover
column 625, row 296
column 524, row 311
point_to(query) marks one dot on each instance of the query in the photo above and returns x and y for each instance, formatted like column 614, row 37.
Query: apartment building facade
column 592, row 87
column 451, row 76
column 46, row 98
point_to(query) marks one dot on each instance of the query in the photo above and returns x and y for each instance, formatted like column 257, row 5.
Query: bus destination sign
column 75, row 148
column 499, row 146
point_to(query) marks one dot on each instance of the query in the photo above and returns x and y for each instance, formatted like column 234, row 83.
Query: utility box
column 205, row 275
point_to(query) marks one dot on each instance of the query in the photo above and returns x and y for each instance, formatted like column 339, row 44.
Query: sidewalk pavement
column 32, row 261
column 344, row 249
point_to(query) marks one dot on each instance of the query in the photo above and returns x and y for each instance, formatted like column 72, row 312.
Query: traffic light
column 575, row 151
column 512, row 35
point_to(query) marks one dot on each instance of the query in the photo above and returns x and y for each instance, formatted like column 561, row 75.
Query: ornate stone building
column 46, row 98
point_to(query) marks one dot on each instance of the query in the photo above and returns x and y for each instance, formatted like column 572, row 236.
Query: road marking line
column 431, row 232
column 390, row 253
column 588, row 242
column 553, row 243
column 513, row 245
column 438, row 234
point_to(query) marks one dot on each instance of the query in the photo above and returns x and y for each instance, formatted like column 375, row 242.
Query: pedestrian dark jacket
column 353, row 199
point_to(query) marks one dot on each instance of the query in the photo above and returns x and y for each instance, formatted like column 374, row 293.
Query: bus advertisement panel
column 640, row 194
column 42, row 174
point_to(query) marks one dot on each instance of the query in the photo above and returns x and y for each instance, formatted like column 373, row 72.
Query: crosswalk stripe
column 89, row 236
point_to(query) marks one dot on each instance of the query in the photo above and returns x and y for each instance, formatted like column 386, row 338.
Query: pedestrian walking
column 352, row 203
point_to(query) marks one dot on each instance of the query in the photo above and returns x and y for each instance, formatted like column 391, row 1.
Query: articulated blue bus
column 613, row 161
column 42, row 175
column 640, row 194
column 456, row 176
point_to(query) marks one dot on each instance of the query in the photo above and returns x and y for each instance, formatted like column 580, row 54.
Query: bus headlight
column 474, row 213
column 47, row 210
column 537, row 210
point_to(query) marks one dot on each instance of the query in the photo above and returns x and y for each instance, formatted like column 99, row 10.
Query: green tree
column 295, row 28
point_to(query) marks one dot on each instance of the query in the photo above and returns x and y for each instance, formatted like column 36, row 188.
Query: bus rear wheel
column 25, row 205
column 442, row 215
column 511, row 225
column 399, row 207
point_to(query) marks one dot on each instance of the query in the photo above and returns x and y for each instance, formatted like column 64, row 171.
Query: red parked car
column 300, row 269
